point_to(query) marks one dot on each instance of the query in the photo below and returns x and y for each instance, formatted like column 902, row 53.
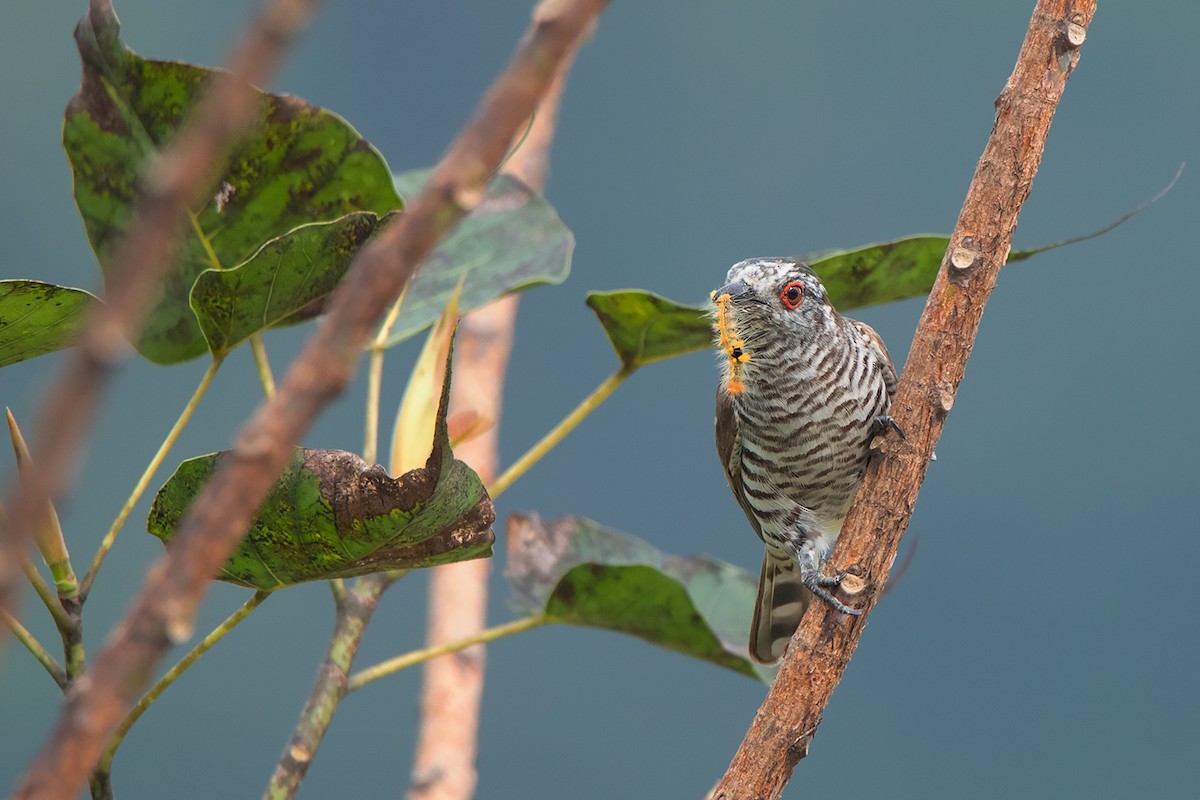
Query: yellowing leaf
column 467, row 425
column 412, row 436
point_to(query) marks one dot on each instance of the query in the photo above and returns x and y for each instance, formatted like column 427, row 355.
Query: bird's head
column 765, row 301
column 768, row 298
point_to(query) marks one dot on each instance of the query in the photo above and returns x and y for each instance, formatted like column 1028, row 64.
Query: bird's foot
column 883, row 423
column 816, row 584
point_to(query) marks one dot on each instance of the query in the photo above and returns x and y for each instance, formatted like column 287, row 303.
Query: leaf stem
column 104, row 766
column 49, row 599
column 256, row 340
column 374, row 389
column 377, row 349
column 107, row 543
column 214, row 262
column 556, row 434
column 34, row 646
column 259, row 349
column 393, row 665
column 66, row 610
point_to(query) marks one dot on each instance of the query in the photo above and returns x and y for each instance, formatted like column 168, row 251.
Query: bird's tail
column 782, row 599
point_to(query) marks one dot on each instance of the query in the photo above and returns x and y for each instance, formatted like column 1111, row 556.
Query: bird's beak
column 736, row 291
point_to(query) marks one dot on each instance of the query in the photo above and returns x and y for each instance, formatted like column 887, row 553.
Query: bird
column 803, row 393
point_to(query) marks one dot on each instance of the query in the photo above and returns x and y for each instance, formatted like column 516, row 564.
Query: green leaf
column 889, row 271
column 881, row 273
column 303, row 164
column 38, row 318
column 331, row 515
column 279, row 285
column 645, row 327
column 512, row 240
column 581, row 573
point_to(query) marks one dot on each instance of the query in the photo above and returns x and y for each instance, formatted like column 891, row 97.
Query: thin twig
column 176, row 181
column 165, row 608
column 354, row 611
column 781, row 731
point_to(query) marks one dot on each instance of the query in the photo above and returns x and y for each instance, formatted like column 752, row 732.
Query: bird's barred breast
column 806, row 430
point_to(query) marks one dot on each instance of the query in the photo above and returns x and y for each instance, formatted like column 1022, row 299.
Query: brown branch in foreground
column 177, row 181
column 164, row 611
column 784, row 726
column 444, row 767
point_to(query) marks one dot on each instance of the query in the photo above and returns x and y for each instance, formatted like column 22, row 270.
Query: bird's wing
column 729, row 450
column 875, row 342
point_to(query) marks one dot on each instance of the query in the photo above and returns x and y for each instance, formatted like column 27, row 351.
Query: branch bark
column 178, row 180
column 447, row 743
column 784, row 726
column 354, row 611
column 164, row 611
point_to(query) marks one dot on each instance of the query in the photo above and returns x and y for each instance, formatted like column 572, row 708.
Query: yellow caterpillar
column 731, row 345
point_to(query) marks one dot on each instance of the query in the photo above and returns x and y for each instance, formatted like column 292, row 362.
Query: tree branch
column 164, row 611
column 784, row 726
column 174, row 183
column 354, row 612
column 444, row 766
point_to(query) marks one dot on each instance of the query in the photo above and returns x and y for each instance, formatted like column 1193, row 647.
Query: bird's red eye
column 792, row 294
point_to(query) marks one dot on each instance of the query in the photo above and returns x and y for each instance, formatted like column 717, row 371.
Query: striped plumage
column 803, row 392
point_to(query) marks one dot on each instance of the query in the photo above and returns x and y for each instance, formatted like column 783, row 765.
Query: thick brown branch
column 177, row 181
column 783, row 727
column 444, row 767
column 164, row 610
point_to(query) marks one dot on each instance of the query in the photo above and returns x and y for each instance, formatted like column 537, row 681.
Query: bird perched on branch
column 803, row 392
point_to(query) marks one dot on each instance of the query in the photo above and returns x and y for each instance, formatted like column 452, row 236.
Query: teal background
column 1044, row 642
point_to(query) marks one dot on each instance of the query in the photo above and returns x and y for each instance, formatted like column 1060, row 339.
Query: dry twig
column 782, row 729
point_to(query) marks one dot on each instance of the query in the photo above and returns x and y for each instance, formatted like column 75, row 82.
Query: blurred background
column 1044, row 641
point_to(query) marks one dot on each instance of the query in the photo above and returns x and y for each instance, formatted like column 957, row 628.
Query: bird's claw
column 817, row 585
column 885, row 422
column 830, row 580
